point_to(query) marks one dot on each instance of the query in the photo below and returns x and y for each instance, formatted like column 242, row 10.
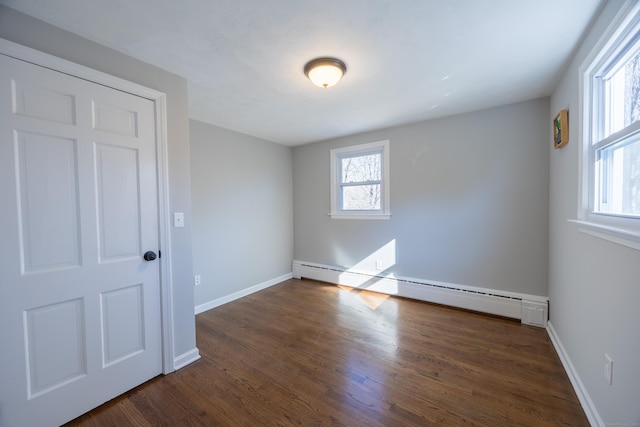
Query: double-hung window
column 360, row 181
column 611, row 131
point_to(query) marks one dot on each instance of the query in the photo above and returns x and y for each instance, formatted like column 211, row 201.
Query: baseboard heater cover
column 529, row 309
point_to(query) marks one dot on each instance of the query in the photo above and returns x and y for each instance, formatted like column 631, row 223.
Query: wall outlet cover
column 608, row 369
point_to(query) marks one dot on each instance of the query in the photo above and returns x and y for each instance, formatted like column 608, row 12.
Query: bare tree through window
column 361, row 178
column 632, row 158
column 620, row 161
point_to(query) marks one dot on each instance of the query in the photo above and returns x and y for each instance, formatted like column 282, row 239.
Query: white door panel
column 117, row 202
column 47, row 180
column 79, row 307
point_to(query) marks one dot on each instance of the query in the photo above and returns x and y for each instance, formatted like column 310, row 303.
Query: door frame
column 46, row 60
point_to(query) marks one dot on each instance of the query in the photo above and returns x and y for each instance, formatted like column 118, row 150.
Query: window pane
column 618, row 179
column 361, row 197
column 623, row 96
column 362, row 168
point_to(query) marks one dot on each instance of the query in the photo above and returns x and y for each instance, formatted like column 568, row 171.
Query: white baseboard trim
column 243, row 293
column 583, row 396
column 530, row 309
column 186, row 358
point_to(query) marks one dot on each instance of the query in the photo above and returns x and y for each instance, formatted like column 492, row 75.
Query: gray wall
column 469, row 200
column 28, row 31
column 242, row 210
column 593, row 284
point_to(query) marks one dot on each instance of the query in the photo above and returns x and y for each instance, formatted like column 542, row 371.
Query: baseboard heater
column 529, row 309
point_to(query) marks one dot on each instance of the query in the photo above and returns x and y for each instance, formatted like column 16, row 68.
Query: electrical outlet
column 608, row 369
column 196, row 279
column 378, row 265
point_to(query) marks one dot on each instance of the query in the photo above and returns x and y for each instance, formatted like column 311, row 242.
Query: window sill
column 613, row 234
column 341, row 215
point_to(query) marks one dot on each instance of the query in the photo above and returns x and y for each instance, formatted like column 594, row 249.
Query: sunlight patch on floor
column 372, row 299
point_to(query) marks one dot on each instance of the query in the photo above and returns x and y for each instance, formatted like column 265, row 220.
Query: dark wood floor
column 307, row 353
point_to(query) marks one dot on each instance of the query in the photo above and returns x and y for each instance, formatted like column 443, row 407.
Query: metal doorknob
column 149, row 256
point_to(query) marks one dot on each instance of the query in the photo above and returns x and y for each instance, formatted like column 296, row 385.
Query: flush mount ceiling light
column 325, row 72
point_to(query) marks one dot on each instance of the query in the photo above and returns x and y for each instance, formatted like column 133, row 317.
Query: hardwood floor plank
column 308, row 353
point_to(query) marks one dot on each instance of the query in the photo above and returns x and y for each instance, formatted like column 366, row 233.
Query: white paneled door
column 79, row 304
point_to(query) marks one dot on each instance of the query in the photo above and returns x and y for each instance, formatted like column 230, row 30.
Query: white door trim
column 164, row 233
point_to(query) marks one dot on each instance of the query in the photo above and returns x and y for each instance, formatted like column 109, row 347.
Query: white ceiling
column 407, row 60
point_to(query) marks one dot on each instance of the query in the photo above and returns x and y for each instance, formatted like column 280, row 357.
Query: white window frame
column 337, row 154
column 621, row 229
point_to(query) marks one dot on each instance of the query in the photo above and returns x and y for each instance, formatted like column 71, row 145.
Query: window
column 360, row 181
column 610, row 81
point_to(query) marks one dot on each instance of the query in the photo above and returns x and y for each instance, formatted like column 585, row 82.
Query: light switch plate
column 178, row 219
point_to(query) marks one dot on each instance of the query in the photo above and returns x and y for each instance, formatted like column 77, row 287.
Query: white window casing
column 345, row 185
column 610, row 147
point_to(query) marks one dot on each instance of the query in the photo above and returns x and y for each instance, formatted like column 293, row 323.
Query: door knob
column 149, row 256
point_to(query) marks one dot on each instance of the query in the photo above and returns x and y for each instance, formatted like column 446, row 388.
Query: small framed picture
column 561, row 129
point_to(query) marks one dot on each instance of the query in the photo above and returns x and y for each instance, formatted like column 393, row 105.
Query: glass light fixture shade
column 325, row 72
